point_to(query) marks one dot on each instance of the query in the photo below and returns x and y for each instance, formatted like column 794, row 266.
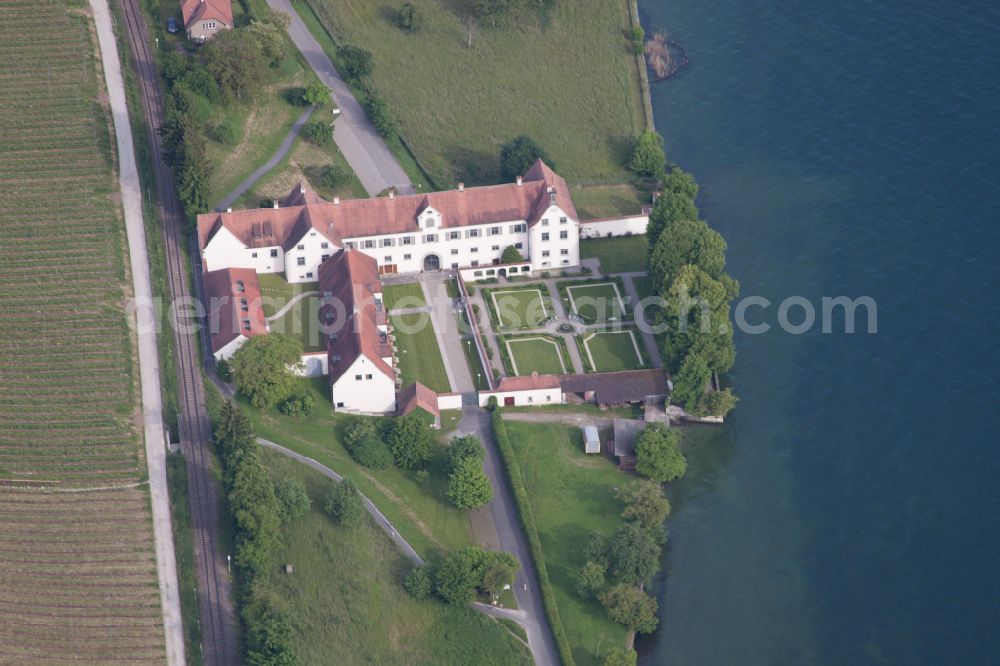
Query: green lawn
column 421, row 513
column 572, row 495
column 456, row 105
column 644, row 285
column 519, row 308
column 540, row 354
column 617, row 255
column 597, row 302
column 302, row 321
column 393, row 296
column 608, row 201
column 614, row 350
column 419, row 355
column 348, row 604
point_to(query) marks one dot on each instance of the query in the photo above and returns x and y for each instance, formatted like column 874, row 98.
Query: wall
column 484, row 272
column 369, row 396
column 449, row 401
column 614, row 226
column 314, row 364
column 227, row 352
column 525, row 398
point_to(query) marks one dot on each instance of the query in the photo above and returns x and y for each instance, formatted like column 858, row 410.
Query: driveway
column 366, row 152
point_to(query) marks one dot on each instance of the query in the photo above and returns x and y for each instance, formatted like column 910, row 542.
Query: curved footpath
column 149, row 368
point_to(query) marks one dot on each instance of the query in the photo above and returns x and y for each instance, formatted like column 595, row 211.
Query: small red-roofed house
column 233, row 307
column 204, row 18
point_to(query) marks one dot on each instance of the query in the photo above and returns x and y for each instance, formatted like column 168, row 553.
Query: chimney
column 461, row 187
column 229, row 210
column 275, row 205
column 519, row 181
column 336, row 201
column 302, row 188
column 392, row 194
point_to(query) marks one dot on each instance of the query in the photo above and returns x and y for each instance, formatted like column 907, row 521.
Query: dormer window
column 244, row 305
column 240, row 287
column 545, row 223
column 246, row 324
column 300, row 247
column 429, row 222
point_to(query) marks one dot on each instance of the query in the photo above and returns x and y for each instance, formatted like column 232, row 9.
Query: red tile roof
column 348, row 281
column 417, row 395
column 197, row 10
column 227, row 319
column 354, row 218
column 530, row 382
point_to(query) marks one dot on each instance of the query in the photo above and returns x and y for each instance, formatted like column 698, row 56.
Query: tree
column 471, row 569
column 236, row 61
column 316, row 94
column 657, row 455
column 334, row 177
column 683, row 243
column 690, row 382
column 268, row 632
column 678, row 192
column 498, row 573
column 620, row 657
column 270, row 35
column 263, row 368
column 256, row 513
column 468, row 485
column 633, row 554
column 343, row 503
column 293, row 500
column 638, row 36
column 373, row 453
column 630, row 606
column 418, row 582
column 462, row 448
column 597, row 549
column 381, row 117
column 715, row 403
column 648, row 159
column 591, row 580
column 411, row 442
column 518, row 155
column 410, row 19
column 317, row 133
column 696, row 308
column 511, row 255
column 358, row 62
column 359, row 431
column 646, row 505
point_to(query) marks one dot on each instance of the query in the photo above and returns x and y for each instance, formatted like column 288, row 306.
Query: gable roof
column 417, row 395
column 531, row 382
column 197, row 10
column 618, row 387
column 227, row 290
column 356, row 218
column 349, row 281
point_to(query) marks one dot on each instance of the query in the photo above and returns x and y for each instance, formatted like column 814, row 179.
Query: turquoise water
column 848, row 512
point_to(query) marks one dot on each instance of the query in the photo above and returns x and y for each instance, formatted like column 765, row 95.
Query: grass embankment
column 617, row 255
column 421, row 513
column 456, row 105
column 564, row 496
column 348, row 605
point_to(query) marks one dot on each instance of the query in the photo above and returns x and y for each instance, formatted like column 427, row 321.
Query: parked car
column 171, row 25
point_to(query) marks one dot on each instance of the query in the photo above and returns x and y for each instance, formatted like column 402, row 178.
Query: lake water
column 848, row 511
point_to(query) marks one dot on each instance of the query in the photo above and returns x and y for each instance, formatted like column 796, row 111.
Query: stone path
column 647, row 337
column 263, row 170
column 407, row 311
column 366, row 152
column 449, row 338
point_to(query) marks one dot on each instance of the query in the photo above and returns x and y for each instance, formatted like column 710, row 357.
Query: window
column 478, row 274
column 564, row 252
column 368, row 244
column 545, row 236
column 430, row 238
column 517, row 229
column 562, row 220
column 454, row 265
column 300, row 247
column 472, row 233
column 349, row 245
column 519, row 246
column 368, row 376
column 565, row 262
column 300, row 261
column 475, row 263
column 407, row 257
column 546, row 263
column 455, row 251
column 491, row 272
column 406, row 240
column 495, row 231
column 253, row 255
column 246, row 324
column 309, row 275
column 387, row 258
column 548, row 398
column 274, row 253
column 387, row 242
column 240, row 287
column 473, row 250
column 545, row 253
column 530, row 399
column 357, row 378
column 545, row 223
column 512, row 269
column 244, row 305
column 209, row 25
column 564, row 234
column 324, row 258
column 454, row 235
column 429, row 222
column 324, row 246
column 340, row 405
column 495, row 248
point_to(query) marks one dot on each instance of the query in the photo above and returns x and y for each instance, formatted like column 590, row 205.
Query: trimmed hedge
column 527, row 519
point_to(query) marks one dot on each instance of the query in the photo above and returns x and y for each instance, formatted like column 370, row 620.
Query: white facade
column 523, row 397
column 365, row 389
column 632, row 225
column 554, row 242
column 302, row 260
column 227, row 352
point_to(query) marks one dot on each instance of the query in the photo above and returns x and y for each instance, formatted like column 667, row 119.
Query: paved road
column 380, row 519
column 476, row 421
column 364, row 149
column 149, row 368
column 262, row 171
column 446, row 331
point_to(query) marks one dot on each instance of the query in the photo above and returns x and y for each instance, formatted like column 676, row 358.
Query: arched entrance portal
column 432, row 262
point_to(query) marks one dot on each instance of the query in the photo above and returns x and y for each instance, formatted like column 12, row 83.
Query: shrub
column 648, row 159
column 293, row 500
column 317, row 133
column 343, row 503
column 620, row 657
column 591, row 580
column 334, row 177
column 373, row 453
column 715, row 403
column 418, row 582
column 492, row 403
column 638, row 36
column 357, row 62
column 511, row 255
column 381, row 117
column 465, row 571
column 421, row 477
column 411, row 442
column 315, row 94
column 299, row 405
column 224, row 133
column 410, row 18
column 173, row 65
column 518, row 154
column 222, row 369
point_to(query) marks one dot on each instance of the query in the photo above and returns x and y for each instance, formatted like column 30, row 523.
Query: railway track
column 218, row 618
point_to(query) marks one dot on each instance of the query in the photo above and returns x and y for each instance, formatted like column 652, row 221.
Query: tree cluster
column 364, row 440
column 463, row 574
column 517, row 156
column 468, row 485
column 263, row 368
